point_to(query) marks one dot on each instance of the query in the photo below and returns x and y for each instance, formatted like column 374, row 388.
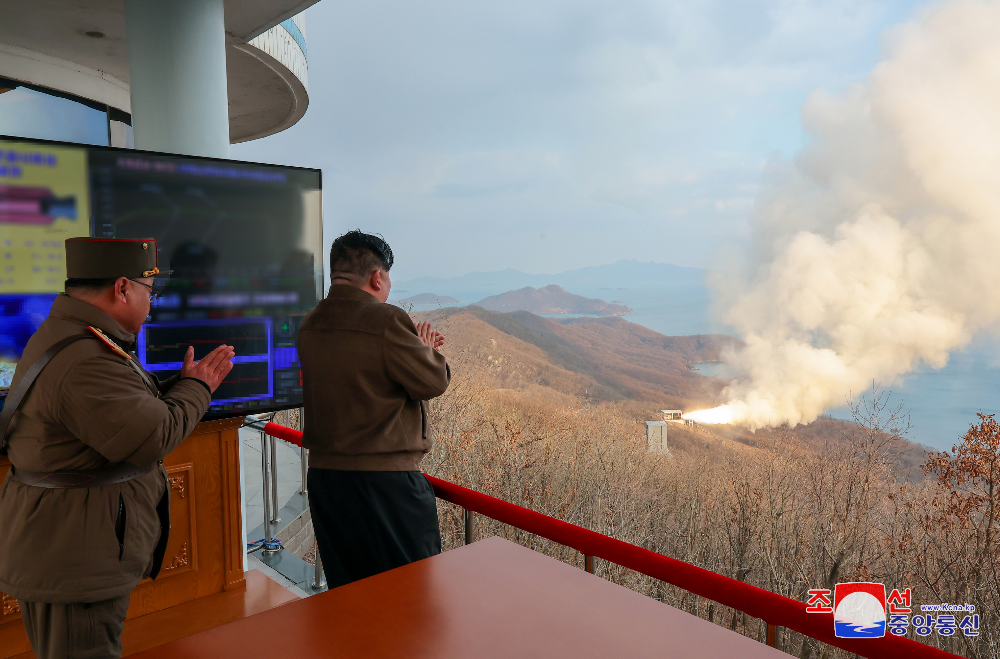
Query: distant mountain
column 616, row 276
column 603, row 358
column 550, row 299
column 428, row 298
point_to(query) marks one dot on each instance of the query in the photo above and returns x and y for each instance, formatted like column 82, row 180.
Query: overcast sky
column 546, row 135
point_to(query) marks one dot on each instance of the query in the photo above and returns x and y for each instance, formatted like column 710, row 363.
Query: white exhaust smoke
column 881, row 248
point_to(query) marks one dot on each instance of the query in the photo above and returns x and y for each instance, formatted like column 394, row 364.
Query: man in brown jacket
column 84, row 512
column 367, row 372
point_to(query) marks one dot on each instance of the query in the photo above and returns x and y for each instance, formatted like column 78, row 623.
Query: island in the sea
column 551, row 299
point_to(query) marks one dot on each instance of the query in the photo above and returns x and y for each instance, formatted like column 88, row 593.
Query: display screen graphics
column 44, row 199
column 243, row 242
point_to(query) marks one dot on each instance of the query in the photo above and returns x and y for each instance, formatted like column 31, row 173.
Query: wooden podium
column 205, row 553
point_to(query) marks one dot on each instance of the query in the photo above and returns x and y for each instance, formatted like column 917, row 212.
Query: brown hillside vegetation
column 602, row 359
column 613, row 360
column 540, row 413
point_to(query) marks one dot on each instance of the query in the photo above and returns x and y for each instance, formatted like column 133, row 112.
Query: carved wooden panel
column 10, row 608
column 182, row 549
column 204, row 484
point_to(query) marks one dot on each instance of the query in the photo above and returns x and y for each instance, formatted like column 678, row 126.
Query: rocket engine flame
column 875, row 250
column 724, row 414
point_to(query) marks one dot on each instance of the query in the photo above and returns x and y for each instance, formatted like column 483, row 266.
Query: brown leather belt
column 112, row 474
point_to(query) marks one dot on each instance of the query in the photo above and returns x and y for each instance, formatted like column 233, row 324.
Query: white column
column 177, row 76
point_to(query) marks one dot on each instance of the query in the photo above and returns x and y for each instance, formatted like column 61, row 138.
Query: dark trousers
column 75, row 631
column 368, row 522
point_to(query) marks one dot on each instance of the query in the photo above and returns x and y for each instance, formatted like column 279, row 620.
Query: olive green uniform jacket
column 87, row 409
column 365, row 377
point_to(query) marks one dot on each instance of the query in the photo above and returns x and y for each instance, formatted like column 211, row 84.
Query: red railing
column 776, row 610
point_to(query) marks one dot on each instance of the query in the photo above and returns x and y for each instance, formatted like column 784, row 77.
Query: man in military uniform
column 84, row 511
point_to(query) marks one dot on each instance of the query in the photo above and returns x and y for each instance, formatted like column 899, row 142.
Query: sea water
column 847, row 629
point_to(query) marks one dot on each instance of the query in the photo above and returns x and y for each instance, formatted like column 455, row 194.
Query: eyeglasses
column 153, row 293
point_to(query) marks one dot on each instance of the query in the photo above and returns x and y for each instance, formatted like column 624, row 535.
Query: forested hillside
column 548, row 414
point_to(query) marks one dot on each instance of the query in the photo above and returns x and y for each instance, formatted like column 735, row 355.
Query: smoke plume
column 880, row 248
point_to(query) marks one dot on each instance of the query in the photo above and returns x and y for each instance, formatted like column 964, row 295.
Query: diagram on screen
column 162, row 347
column 34, row 205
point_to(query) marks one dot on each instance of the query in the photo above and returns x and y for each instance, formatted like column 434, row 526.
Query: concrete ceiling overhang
column 264, row 97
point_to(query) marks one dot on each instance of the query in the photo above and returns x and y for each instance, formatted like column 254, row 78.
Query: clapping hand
column 212, row 369
column 430, row 337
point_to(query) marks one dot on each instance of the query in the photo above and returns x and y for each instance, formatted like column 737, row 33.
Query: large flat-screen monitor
column 243, row 240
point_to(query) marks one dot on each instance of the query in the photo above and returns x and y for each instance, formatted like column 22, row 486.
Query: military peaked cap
column 109, row 258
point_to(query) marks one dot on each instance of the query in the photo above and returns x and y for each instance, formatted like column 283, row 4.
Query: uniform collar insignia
column 131, row 360
column 108, row 342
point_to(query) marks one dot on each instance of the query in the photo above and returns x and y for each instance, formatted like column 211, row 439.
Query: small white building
column 656, row 437
column 671, row 415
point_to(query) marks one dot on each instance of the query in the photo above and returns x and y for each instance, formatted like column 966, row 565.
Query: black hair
column 91, row 286
column 360, row 254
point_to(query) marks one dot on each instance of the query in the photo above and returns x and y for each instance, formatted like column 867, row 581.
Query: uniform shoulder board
column 108, row 342
column 129, row 359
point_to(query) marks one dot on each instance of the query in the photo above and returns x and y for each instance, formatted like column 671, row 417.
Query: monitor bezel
column 33, row 140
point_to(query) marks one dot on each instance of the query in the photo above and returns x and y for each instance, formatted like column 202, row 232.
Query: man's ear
column 375, row 280
column 119, row 289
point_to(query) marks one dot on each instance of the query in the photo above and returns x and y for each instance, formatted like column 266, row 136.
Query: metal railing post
column 274, row 481
column 470, row 526
column 588, row 563
column 304, row 458
column 265, row 468
column 318, row 577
